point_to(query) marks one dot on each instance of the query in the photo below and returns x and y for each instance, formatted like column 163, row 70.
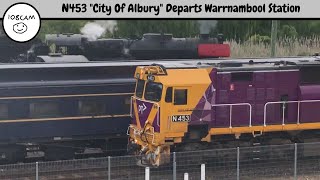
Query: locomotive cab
column 161, row 108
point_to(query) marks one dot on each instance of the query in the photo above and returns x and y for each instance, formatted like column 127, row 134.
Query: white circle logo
column 21, row 22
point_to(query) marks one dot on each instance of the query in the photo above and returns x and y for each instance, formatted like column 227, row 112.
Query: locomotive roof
column 61, row 59
column 249, row 64
column 36, row 83
column 221, row 64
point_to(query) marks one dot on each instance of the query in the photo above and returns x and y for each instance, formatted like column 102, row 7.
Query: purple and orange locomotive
column 270, row 101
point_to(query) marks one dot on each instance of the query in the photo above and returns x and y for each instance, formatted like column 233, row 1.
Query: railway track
column 278, row 163
column 91, row 173
column 79, row 171
column 95, row 170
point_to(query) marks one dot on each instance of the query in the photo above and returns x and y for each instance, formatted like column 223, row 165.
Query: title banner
column 171, row 9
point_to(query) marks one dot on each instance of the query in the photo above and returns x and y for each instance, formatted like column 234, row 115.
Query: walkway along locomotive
column 224, row 104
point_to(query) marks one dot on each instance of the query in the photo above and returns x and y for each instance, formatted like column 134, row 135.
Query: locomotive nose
column 145, row 112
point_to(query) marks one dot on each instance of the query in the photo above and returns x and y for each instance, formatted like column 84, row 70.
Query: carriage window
column 169, row 94
column 126, row 106
column 127, row 100
column 139, row 88
column 3, row 111
column 180, row 96
column 153, row 91
column 91, row 107
column 44, row 109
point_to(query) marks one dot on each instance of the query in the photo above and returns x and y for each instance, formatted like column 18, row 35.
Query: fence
column 294, row 161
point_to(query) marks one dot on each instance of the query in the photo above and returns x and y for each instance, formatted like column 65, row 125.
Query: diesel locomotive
column 224, row 104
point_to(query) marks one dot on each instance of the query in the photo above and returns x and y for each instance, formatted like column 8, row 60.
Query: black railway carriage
column 63, row 108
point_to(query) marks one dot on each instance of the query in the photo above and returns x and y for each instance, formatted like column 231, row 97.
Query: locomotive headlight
column 150, row 78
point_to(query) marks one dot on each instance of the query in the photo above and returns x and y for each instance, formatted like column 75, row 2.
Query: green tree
column 240, row 30
column 60, row 26
column 257, row 39
column 288, row 31
column 136, row 28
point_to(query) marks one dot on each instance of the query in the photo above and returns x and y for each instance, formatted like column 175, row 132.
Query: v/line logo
column 142, row 108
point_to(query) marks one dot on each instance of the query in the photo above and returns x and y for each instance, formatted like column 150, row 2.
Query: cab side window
column 169, row 94
column 180, row 96
column 139, row 88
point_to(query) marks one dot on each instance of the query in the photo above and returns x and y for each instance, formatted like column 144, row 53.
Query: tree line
column 239, row 30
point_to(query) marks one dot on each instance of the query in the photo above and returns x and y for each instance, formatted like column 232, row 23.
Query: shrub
column 284, row 47
column 256, row 39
